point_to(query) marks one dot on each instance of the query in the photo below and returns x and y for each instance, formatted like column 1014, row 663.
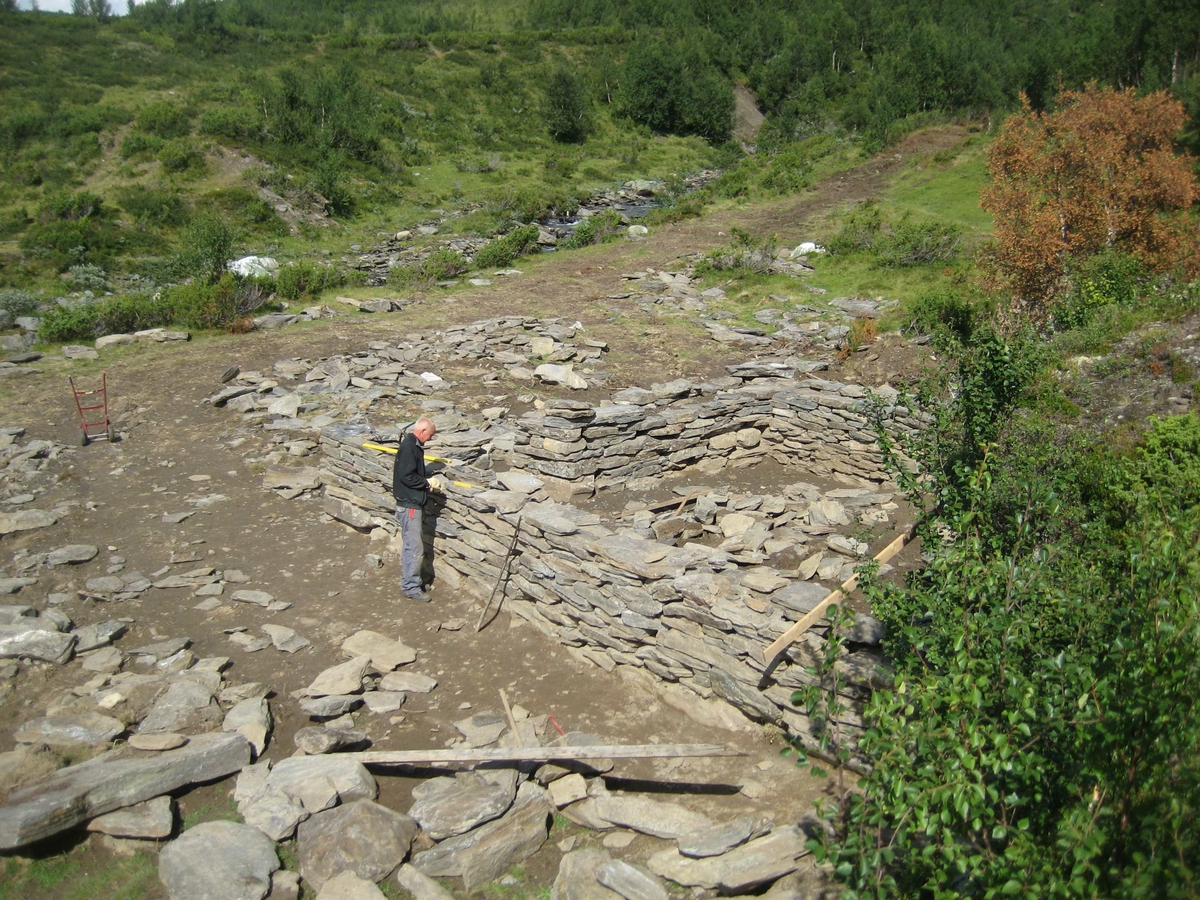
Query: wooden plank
column 535, row 754
column 815, row 615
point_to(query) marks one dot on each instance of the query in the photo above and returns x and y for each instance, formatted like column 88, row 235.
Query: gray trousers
column 412, row 553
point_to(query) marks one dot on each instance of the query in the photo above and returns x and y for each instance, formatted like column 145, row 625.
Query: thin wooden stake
column 815, row 615
column 512, row 723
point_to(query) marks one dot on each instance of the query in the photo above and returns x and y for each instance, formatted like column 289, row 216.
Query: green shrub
column 13, row 222
column 565, row 106
column 87, row 277
column 596, row 229
column 910, row 244
column 746, row 255
column 149, row 206
column 947, row 315
column 306, row 279
column 860, row 231
column 503, row 250
column 136, row 142
column 232, row 122
column 164, row 119
column 112, row 315
column 19, row 302
column 443, row 264
column 181, row 155
column 207, row 247
column 82, row 205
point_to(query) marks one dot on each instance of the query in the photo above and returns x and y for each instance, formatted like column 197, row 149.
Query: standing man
column 411, row 489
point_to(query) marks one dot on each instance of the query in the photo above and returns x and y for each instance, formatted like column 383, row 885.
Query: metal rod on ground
column 512, row 723
column 499, row 578
column 536, row 754
column 813, row 616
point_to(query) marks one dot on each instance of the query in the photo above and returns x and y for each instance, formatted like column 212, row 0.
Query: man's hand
column 436, row 484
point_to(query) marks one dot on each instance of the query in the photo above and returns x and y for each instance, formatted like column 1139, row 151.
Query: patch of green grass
column 63, row 877
column 219, row 809
column 945, row 188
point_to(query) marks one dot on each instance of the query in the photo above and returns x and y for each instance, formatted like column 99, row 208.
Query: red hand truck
column 93, row 429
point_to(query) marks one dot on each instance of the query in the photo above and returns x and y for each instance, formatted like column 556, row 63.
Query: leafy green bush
column 207, row 247
column 19, row 302
column 306, row 279
column 597, row 229
column 150, row 206
column 164, row 119
column 947, row 315
column 112, row 315
column 443, row 264
column 136, row 142
column 181, row 155
column 566, row 106
column 503, row 250
column 231, row 122
column 860, row 231
column 82, row 205
column 746, row 255
column 88, row 278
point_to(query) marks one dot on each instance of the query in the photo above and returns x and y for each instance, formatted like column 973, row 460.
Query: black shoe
column 419, row 596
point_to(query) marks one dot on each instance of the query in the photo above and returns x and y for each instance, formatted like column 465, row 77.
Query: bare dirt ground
column 175, row 448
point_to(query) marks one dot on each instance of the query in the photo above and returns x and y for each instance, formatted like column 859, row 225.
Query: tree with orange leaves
column 1098, row 172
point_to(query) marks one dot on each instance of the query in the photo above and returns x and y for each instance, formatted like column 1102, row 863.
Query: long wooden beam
column 536, row 754
column 813, row 616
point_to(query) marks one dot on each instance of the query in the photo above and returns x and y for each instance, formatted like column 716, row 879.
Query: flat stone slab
column 420, row 885
column 386, row 654
column 348, row 777
column 409, row 682
column 218, row 861
column 361, row 837
column 70, row 730
column 25, row 641
column 275, row 814
column 757, row 862
column 723, row 837
column 25, row 520
column 448, row 806
column 114, row 780
column 484, row 853
column 630, row 882
column 71, row 554
column 577, row 877
column 348, row 886
column 152, row 820
column 342, row 679
column 164, row 740
column 653, row 817
column 284, row 639
column 187, row 706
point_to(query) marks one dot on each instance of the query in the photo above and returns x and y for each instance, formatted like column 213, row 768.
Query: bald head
column 424, row 429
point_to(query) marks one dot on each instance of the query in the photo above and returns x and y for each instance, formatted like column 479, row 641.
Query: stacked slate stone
column 690, row 614
column 758, row 410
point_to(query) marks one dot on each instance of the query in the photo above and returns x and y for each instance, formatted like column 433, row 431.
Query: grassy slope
column 460, row 124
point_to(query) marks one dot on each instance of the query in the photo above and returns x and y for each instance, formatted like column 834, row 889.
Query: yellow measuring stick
column 394, row 450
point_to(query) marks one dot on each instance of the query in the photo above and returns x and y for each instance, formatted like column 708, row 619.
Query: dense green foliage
column 503, row 250
column 1041, row 738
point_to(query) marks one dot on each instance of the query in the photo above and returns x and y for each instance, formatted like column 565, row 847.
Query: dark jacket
column 409, row 485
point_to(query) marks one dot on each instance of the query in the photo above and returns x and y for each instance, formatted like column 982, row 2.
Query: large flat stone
column 483, row 854
column 348, row 886
column 653, row 817
column 36, row 643
column 341, row 679
column 630, row 882
column 70, row 729
column 114, row 780
column 757, row 862
column 453, row 805
column 386, row 654
column 420, row 885
column 187, row 706
column 218, row 861
column 361, row 837
column 577, row 877
column 152, row 820
column 349, row 778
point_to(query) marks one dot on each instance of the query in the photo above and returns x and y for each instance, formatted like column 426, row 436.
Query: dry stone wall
column 693, row 614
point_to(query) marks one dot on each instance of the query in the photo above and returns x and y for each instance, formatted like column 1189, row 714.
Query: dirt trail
column 179, row 449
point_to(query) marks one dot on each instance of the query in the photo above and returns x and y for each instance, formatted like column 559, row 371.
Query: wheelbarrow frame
column 93, row 429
